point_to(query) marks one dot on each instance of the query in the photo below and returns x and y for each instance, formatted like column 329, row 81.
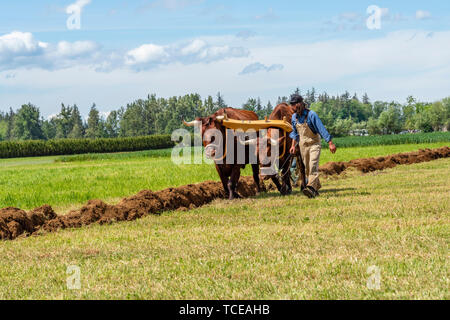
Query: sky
column 112, row 52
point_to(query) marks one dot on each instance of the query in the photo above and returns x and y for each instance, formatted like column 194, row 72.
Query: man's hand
column 293, row 146
column 332, row 147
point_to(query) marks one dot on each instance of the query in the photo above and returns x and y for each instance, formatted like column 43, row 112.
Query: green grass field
column 269, row 247
column 68, row 182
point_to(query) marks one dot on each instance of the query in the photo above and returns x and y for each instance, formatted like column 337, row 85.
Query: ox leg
column 255, row 169
column 224, row 179
column 232, row 184
column 277, row 183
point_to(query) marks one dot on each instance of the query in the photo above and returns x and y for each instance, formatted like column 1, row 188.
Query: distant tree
column 49, row 128
column 268, row 109
column 341, row 127
column 76, row 124
column 64, row 122
column 94, row 125
column 6, row 125
column 220, row 103
column 373, row 127
column 112, row 125
column 423, row 122
column 259, row 109
column 390, row 120
column 210, row 107
column 282, row 99
column 366, row 99
column 250, row 105
column 27, row 123
column 438, row 115
column 446, row 105
column 378, row 108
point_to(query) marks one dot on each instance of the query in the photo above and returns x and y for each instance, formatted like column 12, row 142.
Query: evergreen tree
column 76, row 124
column 220, row 103
column 93, row 124
column 250, row 105
column 49, row 129
column 259, row 109
column 268, row 110
column 112, row 125
column 210, row 107
column 366, row 99
column 63, row 122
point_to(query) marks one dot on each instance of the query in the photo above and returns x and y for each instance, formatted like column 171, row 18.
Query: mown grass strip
column 356, row 141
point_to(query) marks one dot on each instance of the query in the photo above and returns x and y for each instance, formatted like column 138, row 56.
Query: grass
column 391, row 139
column 269, row 247
column 68, row 182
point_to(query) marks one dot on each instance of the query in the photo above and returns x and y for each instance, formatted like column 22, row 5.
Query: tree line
column 342, row 115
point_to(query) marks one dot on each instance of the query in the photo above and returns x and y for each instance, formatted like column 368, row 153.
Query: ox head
column 265, row 144
column 209, row 127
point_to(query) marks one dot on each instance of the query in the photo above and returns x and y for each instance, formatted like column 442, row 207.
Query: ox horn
column 248, row 142
column 220, row 118
column 276, row 142
column 190, row 124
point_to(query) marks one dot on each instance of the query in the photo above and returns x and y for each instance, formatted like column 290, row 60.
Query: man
column 308, row 128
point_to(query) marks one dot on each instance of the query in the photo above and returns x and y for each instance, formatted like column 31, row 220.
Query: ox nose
column 210, row 151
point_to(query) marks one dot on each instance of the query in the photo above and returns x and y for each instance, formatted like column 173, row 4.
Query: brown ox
column 229, row 173
column 282, row 111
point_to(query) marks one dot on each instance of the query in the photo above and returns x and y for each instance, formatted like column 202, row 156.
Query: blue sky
column 125, row 50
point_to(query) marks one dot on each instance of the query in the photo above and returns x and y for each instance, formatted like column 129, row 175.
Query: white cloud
column 147, row 53
column 196, row 51
column 22, row 50
column 194, row 47
column 421, row 15
column 257, row 67
column 19, row 43
column 75, row 49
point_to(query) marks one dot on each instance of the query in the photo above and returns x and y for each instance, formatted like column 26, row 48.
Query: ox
column 229, row 173
column 282, row 111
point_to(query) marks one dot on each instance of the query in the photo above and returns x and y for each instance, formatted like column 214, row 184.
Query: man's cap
column 296, row 98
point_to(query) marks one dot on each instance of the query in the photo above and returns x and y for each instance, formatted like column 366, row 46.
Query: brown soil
column 15, row 222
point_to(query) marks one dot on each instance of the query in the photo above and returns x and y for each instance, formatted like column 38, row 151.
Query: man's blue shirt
column 314, row 123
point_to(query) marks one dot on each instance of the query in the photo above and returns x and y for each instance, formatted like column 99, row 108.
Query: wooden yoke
column 257, row 124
